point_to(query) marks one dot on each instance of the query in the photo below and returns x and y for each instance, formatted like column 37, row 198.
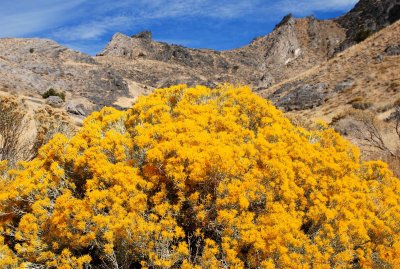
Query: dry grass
column 376, row 82
column 24, row 129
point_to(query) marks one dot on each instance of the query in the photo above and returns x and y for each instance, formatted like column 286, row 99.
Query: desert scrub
column 363, row 35
column 52, row 92
column 199, row 178
column 22, row 133
column 362, row 105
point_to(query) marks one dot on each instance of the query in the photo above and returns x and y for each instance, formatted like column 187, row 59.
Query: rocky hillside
column 368, row 72
column 132, row 66
column 294, row 46
column 367, row 17
column 357, row 92
column 32, row 66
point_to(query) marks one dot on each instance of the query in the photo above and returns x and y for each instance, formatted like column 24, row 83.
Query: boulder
column 55, row 101
column 393, row 50
column 379, row 58
column 76, row 109
column 344, row 85
column 303, row 97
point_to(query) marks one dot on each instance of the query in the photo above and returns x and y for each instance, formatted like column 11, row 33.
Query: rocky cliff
column 366, row 18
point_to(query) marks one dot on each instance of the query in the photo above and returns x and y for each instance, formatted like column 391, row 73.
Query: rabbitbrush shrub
column 199, row 178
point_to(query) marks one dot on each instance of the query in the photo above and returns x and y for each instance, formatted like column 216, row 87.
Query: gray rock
column 55, row 101
column 346, row 126
column 379, row 58
column 266, row 81
column 51, row 65
column 82, row 58
column 144, row 35
column 362, row 105
column 76, row 109
column 288, row 19
column 303, row 97
column 344, row 85
column 393, row 50
column 394, row 116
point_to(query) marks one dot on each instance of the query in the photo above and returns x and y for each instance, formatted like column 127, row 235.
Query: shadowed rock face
column 365, row 76
column 393, row 50
column 394, row 13
column 301, row 98
column 367, row 17
column 144, row 35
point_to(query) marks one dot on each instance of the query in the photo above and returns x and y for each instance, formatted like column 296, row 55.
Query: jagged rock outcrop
column 75, row 109
column 147, row 35
column 158, row 64
column 294, row 46
column 365, row 76
column 301, row 98
column 367, row 17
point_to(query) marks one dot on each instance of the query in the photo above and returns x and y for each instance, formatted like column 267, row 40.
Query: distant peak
column 118, row 36
column 287, row 19
column 144, row 35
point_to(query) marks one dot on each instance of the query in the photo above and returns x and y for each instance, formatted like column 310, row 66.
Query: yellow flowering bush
column 199, row 178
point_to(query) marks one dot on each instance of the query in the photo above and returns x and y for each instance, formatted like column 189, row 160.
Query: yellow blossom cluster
column 199, row 178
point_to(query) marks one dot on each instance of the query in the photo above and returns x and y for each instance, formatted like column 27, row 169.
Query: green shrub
column 362, row 35
column 361, row 105
column 52, row 92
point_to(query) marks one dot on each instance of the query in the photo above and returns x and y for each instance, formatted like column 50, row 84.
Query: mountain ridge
column 132, row 66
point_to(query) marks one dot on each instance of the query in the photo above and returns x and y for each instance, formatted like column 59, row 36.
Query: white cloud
column 90, row 30
column 307, row 7
column 21, row 18
column 134, row 12
column 82, row 21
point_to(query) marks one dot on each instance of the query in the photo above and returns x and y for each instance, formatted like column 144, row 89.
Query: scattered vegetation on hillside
column 13, row 126
column 380, row 139
column 22, row 134
column 199, row 178
column 362, row 35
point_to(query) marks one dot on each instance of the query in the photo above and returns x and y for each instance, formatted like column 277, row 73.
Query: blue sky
column 87, row 25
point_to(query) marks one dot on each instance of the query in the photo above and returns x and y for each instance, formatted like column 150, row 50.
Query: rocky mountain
column 294, row 46
column 367, row 17
column 32, row 66
column 357, row 92
column 131, row 66
column 368, row 72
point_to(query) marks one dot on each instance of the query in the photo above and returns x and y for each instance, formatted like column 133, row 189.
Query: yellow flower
column 199, row 178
